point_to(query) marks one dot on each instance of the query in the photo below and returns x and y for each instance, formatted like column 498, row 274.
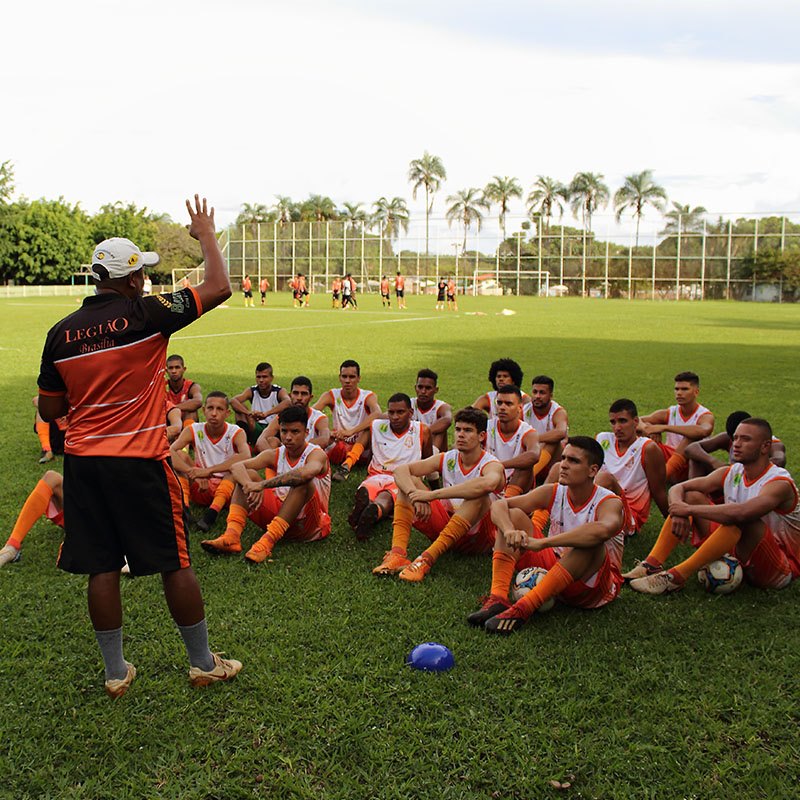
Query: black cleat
column 492, row 606
column 341, row 474
column 360, row 503
column 206, row 523
column 505, row 623
column 367, row 522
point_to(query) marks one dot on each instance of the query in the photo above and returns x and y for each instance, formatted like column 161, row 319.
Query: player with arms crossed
column 183, row 393
column 502, row 372
column 121, row 497
column 393, row 441
column 292, row 503
column 266, row 399
column 549, row 420
column 759, row 520
column 455, row 516
column 436, row 414
column 685, row 422
column 317, row 429
column 353, row 409
column 582, row 552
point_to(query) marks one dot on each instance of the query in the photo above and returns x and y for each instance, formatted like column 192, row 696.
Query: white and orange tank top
column 261, row 403
column 628, row 469
column 322, row 483
column 564, row 517
column 676, row 418
column 454, row 473
column 314, row 417
column 209, row 452
column 389, row 449
column 349, row 414
column 543, row 424
column 429, row 416
column 505, row 447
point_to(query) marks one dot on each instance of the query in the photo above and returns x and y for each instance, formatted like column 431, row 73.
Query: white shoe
column 8, row 555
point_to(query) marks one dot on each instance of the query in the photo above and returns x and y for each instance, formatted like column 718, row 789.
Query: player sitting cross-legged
column 502, row 372
column 183, row 393
column 582, row 551
column 453, row 517
column 293, row 504
column 317, row 429
column 266, row 400
column 549, row 419
column 436, row 414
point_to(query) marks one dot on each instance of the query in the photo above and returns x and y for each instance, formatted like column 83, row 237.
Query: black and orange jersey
column 108, row 359
column 180, row 396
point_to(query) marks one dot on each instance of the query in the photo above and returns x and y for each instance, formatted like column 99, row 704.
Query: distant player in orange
column 353, row 289
column 393, row 441
column 452, row 303
column 400, row 290
column 759, row 520
column 685, row 422
column 453, row 517
column 51, row 435
column 302, row 290
column 266, row 399
column 293, row 284
column 182, row 392
column 336, row 292
column 502, row 372
column 582, row 552
column 353, row 410
column 317, row 428
column 386, row 301
column 292, row 504
column 263, row 287
column 549, row 420
column 247, row 291
column 436, row 414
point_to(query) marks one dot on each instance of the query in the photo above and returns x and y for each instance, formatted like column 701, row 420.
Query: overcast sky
column 243, row 100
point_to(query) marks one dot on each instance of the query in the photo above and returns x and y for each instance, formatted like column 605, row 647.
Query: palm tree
column 353, row 213
column 285, row 209
column 317, row 208
column 587, row 193
column 547, row 195
column 683, row 218
column 501, row 190
column 638, row 191
column 465, row 208
column 253, row 214
column 392, row 214
column 429, row 172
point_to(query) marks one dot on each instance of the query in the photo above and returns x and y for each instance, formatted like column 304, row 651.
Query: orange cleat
column 392, row 564
column 222, row 545
column 417, row 570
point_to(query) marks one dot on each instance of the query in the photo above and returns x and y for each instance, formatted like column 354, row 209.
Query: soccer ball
column 723, row 576
column 525, row 580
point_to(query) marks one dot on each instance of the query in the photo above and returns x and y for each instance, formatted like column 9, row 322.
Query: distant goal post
column 510, row 281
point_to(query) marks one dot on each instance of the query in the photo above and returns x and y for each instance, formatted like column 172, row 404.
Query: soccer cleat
column 126, row 569
column 8, row 555
column 222, row 545
column 660, row 583
column 259, row 552
column 47, row 455
column 225, row 669
column 117, row 687
column 360, row 503
column 367, row 522
column 341, row 474
column 206, row 523
column 492, row 606
column 641, row 570
column 506, row 622
column 416, row 570
column 392, row 564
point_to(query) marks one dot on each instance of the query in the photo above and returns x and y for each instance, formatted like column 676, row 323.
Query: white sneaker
column 117, row 687
column 8, row 555
column 224, row 670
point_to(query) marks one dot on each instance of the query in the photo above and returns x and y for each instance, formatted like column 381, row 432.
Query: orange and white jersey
column 208, row 452
column 389, row 449
column 261, row 403
column 564, row 517
column 348, row 414
column 543, row 424
column 505, row 447
column 492, row 398
column 676, row 417
column 322, row 483
column 784, row 525
column 453, row 472
column 429, row 416
column 628, row 469
column 312, row 425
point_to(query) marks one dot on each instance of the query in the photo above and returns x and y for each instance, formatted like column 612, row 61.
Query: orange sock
column 540, row 518
column 276, row 530
column 43, row 432
column 223, row 495
column 401, row 528
column 454, row 530
column 184, row 482
column 667, row 541
column 676, row 468
column 32, row 509
column 723, row 540
column 556, row 580
column 512, row 490
column 355, row 453
column 237, row 519
column 542, row 464
column 502, row 573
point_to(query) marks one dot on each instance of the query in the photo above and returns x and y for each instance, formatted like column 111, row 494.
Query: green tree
column 286, row 210
column 392, row 215
column 6, row 181
column 353, row 214
column 587, row 194
column 317, row 208
column 128, row 221
column 638, row 191
column 254, row 214
column 547, row 195
column 683, row 218
column 466, row 209
column 501, row 191
column 429, row 172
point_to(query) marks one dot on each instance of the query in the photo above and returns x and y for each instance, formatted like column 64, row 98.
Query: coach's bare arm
column 216, row 285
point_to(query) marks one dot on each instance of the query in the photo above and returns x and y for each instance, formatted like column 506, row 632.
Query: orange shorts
column 338, row 451
column 55, row 515
column 313, row 523
column 478, row 540
column 677, row 465
column 204, row 497
column 769, row 565
column 375, row 484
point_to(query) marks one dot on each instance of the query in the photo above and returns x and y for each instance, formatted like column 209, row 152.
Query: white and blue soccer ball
column 723, row 576
column 525, row 580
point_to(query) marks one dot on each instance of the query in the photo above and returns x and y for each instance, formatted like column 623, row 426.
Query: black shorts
column 118, row 507
column 248, row 293
column 385, row 295
column 400, row 292
column 451, row 298
column 336, row 295
column 263, row 295
column 440, row 297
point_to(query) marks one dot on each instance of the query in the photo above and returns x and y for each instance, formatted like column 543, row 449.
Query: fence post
column 703, row 265
column 274, row 256
column 728, row 273
column 755, row 260
column 561, row 258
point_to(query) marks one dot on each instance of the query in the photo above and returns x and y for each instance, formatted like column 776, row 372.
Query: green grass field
column 686, row 696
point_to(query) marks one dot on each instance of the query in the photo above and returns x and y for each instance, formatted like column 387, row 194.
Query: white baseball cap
column 119, row 257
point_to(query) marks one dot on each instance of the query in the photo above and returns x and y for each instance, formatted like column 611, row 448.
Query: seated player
column 266, row 399
column 582, row 551
column 317, row 429
column 453, row 517
column 698, row 454
column 502, row 372
column 386, row 301
column 759, row 519
column 635, row 462
column 217, row 446
column 436, row 414
column 182, row 392
column 353, row 409
column 393, row 441
column 292, row 504
column 513, row 442
column 685, row 422
column 51, row 435
column 549, row 420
